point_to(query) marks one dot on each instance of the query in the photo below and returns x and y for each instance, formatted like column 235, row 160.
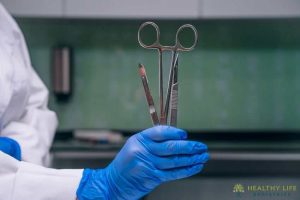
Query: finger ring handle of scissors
column 156, row 43
column 181, row 47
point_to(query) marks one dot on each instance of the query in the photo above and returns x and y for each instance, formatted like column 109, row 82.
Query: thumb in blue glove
column 10, row 147
column 149, row 158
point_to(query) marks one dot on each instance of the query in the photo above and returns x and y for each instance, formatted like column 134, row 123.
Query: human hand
column 149, row 158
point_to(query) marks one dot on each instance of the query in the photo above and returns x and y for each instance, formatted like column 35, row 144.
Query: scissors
column 172, row 89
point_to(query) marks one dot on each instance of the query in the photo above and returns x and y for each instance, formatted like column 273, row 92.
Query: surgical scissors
column 178, row 46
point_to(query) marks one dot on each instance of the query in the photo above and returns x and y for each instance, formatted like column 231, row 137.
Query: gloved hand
column 149, row 158
column 10, row 147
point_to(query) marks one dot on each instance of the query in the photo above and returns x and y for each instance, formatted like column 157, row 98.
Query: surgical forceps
column 172, row 89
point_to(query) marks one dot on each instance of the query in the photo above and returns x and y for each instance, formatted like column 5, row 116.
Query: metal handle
column 156, row 43
column 178, row 45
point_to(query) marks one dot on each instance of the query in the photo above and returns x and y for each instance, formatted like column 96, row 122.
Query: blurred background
column 239, row 89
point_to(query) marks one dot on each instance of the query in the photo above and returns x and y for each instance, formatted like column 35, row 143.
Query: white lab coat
column 24, row 116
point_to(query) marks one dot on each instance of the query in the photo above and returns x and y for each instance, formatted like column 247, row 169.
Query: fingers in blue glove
column 163, row 133
column 172, row 162
column 179, row 173
column 176, row 147
column 155, row 155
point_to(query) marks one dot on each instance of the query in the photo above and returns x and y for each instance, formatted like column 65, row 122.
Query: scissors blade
column 170, row 83
column 161, row 89
column 174, row 96
column 149, row 98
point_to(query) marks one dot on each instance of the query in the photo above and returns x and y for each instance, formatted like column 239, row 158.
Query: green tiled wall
column 244, row 74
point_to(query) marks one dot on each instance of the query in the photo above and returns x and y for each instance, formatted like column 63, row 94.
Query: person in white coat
column 27, row 128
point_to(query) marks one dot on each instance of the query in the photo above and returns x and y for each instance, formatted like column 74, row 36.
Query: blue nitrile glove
column 10, row 147
column 149, row 158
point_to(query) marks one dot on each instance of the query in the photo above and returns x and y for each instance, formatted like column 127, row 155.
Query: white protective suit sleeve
column 27, row 119
column 21, row 180
column 35, row 129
